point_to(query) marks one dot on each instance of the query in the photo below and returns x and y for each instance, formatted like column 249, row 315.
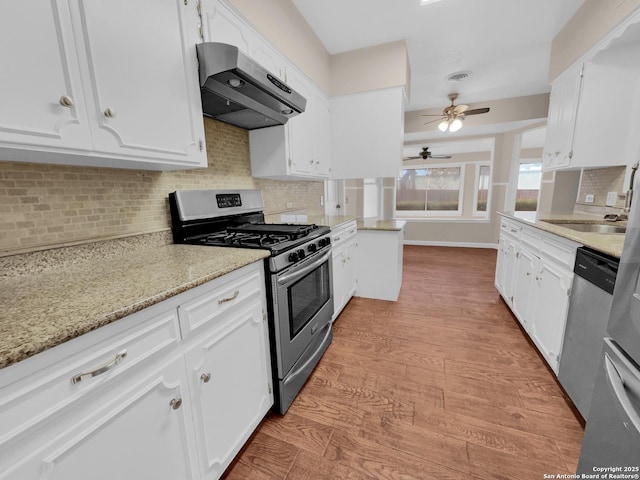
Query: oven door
column 303, row 307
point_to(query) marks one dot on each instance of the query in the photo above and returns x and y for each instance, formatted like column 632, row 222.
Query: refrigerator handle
column 617, row 384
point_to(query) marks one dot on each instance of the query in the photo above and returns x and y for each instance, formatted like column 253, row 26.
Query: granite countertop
column 46, row 307
column 610, row 244
column 383, row 225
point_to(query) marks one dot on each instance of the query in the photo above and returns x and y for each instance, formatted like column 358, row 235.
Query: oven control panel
column 299, row 253
column 228, row 200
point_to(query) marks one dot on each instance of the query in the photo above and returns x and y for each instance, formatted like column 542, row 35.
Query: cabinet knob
column 109, row 113
column 176, row 403
column 205, row 377
column 66, row 101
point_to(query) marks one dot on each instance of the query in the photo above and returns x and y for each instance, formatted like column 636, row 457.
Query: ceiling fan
column 452, row 116
column 425, row 154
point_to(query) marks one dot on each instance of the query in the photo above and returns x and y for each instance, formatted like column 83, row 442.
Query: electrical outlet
column 612, row 199
column 289, row 204
column 589, row 198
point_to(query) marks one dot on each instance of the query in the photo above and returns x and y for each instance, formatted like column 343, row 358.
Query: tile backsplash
column 598, row 182
column 44, row 206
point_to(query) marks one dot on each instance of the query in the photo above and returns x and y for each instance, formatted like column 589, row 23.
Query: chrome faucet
column 629, row 197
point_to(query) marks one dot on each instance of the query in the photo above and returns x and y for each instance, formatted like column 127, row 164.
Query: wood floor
column 440, row 385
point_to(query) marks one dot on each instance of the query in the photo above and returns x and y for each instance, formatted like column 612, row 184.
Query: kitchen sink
column 593, row 227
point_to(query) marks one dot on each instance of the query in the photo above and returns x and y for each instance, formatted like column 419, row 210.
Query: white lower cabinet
column 534, row 273
column 141, row 433
column 231, row 388
column 549, row 307
column 344, row 250
column 526, row 266
column 505, row 262
column 137, row 399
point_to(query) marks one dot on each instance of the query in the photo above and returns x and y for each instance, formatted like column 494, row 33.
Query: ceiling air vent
column 458, row 77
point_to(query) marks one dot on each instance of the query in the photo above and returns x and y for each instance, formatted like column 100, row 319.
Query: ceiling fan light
column 455, row 125
column 443, row 125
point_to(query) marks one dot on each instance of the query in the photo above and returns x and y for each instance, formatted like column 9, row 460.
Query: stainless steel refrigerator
column 611, row 441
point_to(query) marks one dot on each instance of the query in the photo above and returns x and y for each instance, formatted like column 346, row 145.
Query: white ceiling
column 505, row 43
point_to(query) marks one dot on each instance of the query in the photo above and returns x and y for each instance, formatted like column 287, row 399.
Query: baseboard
column 428, row 243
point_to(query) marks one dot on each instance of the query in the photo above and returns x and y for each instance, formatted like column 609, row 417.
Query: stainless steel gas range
column 298, row 272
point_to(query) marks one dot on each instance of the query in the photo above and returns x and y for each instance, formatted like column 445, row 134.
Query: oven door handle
column 293, row 276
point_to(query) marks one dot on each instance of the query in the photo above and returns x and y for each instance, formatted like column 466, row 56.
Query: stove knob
column 293, row 257
column 300, row 254
column 312, row 248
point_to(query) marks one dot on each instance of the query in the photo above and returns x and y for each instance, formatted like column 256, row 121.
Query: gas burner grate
column 290, row 231
column 245, row 239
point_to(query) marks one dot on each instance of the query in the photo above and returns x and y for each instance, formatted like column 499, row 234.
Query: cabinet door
column 563, row 108
column 550, row 303
column 142, row 433
column 142, row 70
column 269, row 58
column 321, row 135
column 42, row 99
column 222, row 24
column 339, row 281
column 300, row 128
column 507, row 270
column 526, row 264
column 349, row 275
column 230, row 378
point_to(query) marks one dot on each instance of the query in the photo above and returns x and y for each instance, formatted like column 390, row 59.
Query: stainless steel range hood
column 237, row 90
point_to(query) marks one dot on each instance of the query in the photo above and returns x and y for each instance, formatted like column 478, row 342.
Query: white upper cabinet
column 298, row 150
column 561, row 122
column 41, row 83
column 593, row 103
column 222, row 24
column 367, row 134
column 110, row 84
column 322, row 134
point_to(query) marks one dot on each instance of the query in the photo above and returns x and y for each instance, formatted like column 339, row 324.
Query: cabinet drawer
column 563, row 254
column 343, row 233
column 529, row 237
column 217, row 297
column 32, row 400
column 510, row 228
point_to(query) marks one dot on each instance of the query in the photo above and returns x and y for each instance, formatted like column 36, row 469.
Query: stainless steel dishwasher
column 589, row 308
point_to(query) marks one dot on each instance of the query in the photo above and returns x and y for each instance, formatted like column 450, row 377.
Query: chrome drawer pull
column 100, row 370
column 229, row 299
column 176, row 403
column 205, row 377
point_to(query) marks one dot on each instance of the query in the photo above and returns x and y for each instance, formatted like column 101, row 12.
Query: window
column 430, row 190
column 483, row 181
column 529, row 177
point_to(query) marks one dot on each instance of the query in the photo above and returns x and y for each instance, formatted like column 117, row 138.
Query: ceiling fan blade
column 432, row 115
column 443, row 157
column 477, row 111
column 460, row 108
column 411, row 158
column 436, row 120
